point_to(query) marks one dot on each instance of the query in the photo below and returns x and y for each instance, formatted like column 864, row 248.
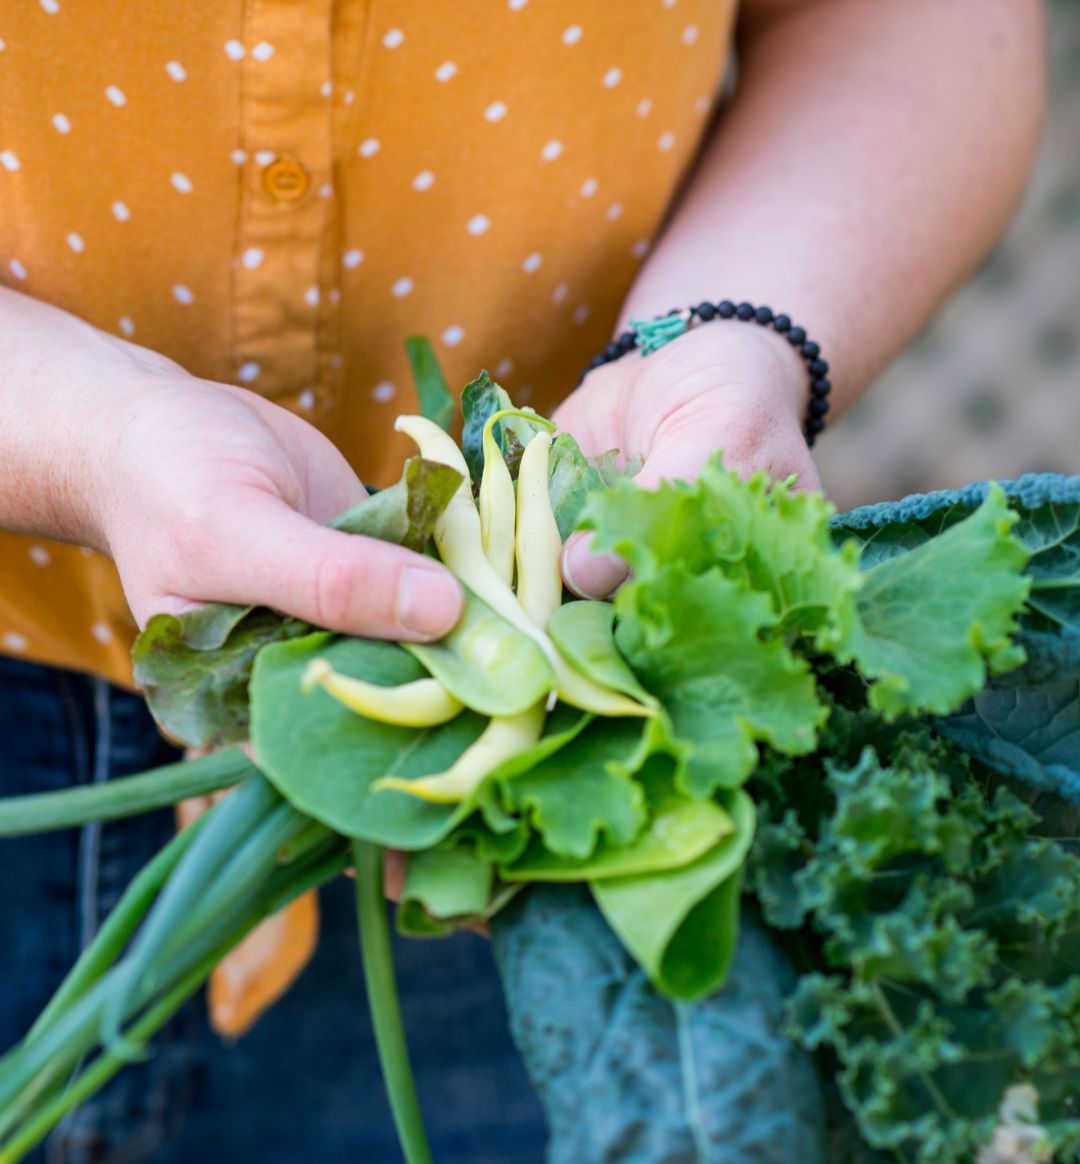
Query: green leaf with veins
column 682, row 924
column 487, row 663
column 436, row 402
column 933, row 621
column 694, row 641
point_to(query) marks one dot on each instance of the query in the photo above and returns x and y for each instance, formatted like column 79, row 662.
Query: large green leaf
column 323, row 758
column 931, row 622
column 625, row 1074
column 1049, row 528
column 694, row 641
column 487, row 663
column 681, row 925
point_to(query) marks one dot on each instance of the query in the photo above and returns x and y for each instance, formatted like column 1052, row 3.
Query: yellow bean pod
column 422, row 703
column 496, row 504
column 501, row 740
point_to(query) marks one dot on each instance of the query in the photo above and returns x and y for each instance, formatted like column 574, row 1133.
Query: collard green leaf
column 681, row 925
column 933, row 621
column 1049, row 528
column 323, row 758
column 486, row 663
column 571, row 478
column 694, row 642
column 479, row 399
column 436, row 402
column 1026, row 723
column 584, row 633
column 194, row 668
column 626, row 1075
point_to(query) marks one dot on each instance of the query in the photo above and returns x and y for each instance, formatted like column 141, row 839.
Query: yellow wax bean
column 497, row 506
column 539, row 547
column 422, row 703
column 501, row 740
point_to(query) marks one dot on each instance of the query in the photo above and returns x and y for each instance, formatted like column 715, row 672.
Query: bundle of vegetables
column 611, row 746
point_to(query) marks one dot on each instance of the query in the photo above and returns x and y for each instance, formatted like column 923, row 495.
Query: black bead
column 782, row 323
column 627, row 341
column 815, row 425
column 810, row 350
column 818, row 406
column 763, row 315
column 725, row 309
column 706, row 311
column 820, row 386
column 745, row 311
column 612, row 351
column 597, row 362
column 817, row 368
column 797, row 336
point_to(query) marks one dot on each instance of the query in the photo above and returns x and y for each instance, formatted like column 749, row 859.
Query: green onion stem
column 68, row 807
column 383, row 1002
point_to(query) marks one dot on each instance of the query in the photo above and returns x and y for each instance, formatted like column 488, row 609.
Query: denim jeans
column 304, row 1083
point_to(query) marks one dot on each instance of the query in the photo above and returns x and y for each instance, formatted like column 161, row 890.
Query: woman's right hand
column 199, row 491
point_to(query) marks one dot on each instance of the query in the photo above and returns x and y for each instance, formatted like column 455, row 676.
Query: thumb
column 268, row 554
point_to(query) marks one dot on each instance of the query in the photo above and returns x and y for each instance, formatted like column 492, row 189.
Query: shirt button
column 286, row 180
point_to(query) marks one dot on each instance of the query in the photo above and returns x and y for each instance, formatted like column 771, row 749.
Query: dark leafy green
column 629, row 1077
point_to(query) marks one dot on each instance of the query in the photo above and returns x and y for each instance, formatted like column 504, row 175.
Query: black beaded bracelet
column 649, row 334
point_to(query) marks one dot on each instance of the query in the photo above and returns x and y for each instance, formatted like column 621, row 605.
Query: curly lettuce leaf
column 625, row 1074
column 931, row 622
column 694, row 642
column 756, row 532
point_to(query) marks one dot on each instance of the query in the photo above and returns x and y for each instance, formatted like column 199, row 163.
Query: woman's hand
column 199, row 491
column 728, row 386
column 217, row 494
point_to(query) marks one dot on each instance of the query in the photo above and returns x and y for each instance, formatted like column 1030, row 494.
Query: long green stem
column 383, row 1002
column 127, row 796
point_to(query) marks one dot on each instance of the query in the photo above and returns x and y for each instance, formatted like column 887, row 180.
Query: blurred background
column 992, row 386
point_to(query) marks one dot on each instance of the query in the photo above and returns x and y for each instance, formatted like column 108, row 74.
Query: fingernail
column 428, row 602
column 591, row 575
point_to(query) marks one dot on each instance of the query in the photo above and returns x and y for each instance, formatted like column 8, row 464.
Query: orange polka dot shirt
column 275, row 193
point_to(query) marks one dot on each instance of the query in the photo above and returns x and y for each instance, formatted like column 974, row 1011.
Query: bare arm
column 871, row 156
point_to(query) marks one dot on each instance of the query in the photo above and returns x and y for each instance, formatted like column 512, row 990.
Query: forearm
column 62, row 380
column 872, row 154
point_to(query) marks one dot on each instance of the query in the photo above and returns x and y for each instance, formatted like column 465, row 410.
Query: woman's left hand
column 729, row 386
